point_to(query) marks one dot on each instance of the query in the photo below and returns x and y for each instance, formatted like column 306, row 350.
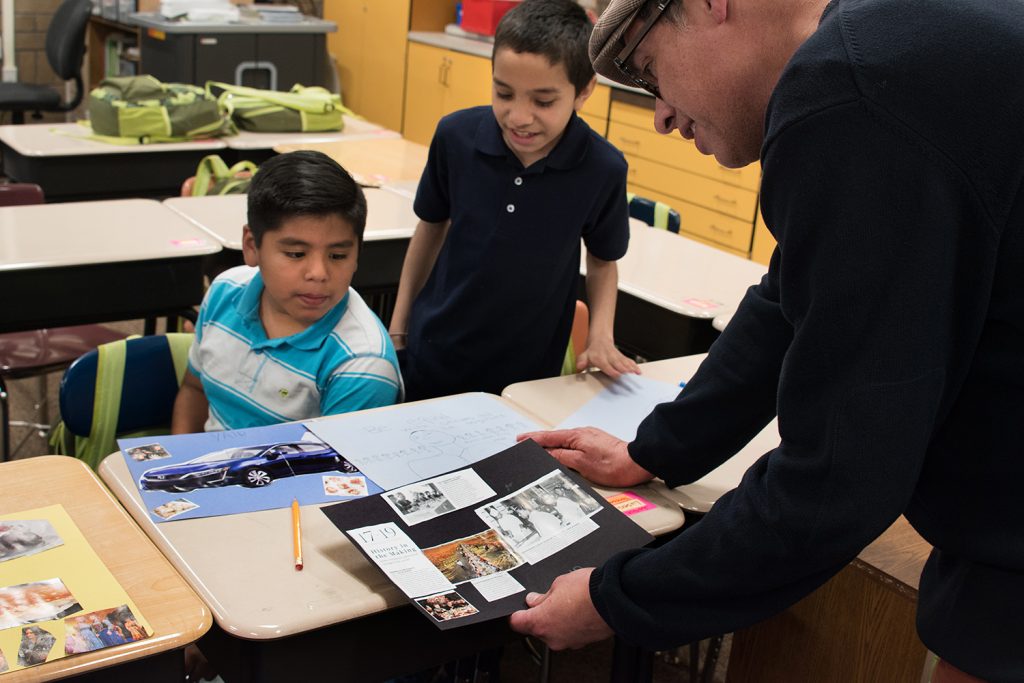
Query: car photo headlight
column 208, row 473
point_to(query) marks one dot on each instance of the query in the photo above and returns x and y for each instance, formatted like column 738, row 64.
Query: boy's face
column 533, row 101
column 307, row 265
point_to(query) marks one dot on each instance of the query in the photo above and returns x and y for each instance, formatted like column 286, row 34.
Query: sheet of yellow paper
column 76, row 565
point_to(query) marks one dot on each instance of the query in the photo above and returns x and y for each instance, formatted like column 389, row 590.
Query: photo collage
column 42, row 619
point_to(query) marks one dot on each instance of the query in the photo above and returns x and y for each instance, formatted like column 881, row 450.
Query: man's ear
column 719, row 9
column 249, row 249
column 585, row 94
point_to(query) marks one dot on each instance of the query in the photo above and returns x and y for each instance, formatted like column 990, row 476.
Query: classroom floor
column 517, row 664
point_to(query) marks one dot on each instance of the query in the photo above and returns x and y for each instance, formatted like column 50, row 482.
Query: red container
column 482, row 16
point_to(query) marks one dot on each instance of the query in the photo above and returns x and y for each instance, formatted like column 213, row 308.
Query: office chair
column 65, row 49
column 654, row 213
column 37, row 353
column 121, row 389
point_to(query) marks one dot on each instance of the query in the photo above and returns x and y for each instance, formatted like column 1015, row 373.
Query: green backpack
column 141, row 109
column 214, row 177
column 300, row 110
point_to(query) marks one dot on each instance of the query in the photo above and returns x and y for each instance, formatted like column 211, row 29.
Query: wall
column 31, row 19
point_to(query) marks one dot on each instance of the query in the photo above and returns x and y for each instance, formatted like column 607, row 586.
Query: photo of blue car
column 251, row 466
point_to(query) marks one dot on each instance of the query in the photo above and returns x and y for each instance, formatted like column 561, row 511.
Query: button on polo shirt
column 498, row 304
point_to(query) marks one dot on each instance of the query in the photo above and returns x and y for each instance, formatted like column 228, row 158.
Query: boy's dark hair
column 556, row 29
column 304, row 183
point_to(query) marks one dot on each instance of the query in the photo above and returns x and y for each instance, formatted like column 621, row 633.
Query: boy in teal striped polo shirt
column 285, row 337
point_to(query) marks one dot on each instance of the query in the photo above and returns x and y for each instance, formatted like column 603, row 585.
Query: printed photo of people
column 447, row 606
column 26, row 537
column 418, row 502
column 100, row 629
column 4, row 666
column 472, row 557
column 339, row 485
column 539, row 511
column 151, row 451
column 28, row 603
column 35, row 647
column 174, row 508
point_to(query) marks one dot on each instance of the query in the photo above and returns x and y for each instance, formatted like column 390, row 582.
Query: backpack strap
column 210, row 168
column 106, row 404
column 180, row 343
column 661, row 211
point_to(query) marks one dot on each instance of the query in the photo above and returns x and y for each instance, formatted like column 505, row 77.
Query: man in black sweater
column 888, row 334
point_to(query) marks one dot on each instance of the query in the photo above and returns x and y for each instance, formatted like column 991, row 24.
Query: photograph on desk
column 530, row 521
column 21, row 537
column 244, row 470
column 50, row 597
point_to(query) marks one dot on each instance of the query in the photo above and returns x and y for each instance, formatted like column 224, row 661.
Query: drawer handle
column 725, row 200
column 628, row 141
column 723, row 231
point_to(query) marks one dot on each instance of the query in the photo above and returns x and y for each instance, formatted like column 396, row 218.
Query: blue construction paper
column 621, row 406
column 230, row 498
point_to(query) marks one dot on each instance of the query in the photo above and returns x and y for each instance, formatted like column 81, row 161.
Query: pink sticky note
column 629, row 503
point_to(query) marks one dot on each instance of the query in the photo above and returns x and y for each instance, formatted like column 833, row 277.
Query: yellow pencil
column 296, row 534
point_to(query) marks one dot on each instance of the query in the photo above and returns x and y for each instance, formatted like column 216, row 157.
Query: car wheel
column 345, row 466
column 256, row 477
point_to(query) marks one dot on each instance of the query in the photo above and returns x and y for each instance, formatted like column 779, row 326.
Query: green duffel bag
column 300, row 110
column 142, row 109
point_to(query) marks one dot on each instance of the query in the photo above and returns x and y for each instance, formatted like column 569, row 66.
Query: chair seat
column 27, row 96
column 24, row 354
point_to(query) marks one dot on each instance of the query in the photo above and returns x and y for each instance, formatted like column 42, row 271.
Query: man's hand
column 597, row 455
column 603, row 355
column 564, row 617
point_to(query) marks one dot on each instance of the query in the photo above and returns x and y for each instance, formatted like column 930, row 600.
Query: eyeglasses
column 622, row 61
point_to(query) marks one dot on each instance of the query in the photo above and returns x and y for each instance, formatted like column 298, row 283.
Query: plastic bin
column 482, row 16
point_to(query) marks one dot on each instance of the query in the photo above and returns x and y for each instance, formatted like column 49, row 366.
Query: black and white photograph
column 419, row 502
column 22, row 537
column 543, row 517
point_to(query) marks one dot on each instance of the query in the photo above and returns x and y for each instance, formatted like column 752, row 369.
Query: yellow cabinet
column 439, row 82
column 716, row 205
column 369, row 49
column 764, row 243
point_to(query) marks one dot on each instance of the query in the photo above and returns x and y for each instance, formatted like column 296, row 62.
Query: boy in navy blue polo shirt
column 488, row 287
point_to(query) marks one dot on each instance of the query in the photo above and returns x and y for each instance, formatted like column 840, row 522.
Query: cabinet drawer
column 717, row 229
column 673, row 150
column 711, row 194
column 632, row 115
column 597, row 103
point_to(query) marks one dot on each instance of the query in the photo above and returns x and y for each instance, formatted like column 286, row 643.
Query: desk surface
column 553, row 400
column 81, row 233
column 172, row 609
column 355, row 129
column 241, row 565
column 389, row 216
column 72, row 139
column 374, row 162
column 681, row 275
column 244, row 25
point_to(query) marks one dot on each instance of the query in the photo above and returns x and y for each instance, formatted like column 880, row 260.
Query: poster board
column 468, row 552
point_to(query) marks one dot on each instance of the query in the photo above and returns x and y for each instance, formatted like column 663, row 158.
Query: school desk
column 373, row 162
column 89, row 262
column 259, row 147
column 338, row 618
column 859, row 627
column 69, row 166
column 390, row 223
column 171, row 607
column 720, row 321
column 670, row 288
column 551, row 401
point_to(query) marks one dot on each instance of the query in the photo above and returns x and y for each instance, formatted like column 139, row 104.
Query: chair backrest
column 123, row 387
column 654, row 213
column 17, row 194
column 65, row 38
